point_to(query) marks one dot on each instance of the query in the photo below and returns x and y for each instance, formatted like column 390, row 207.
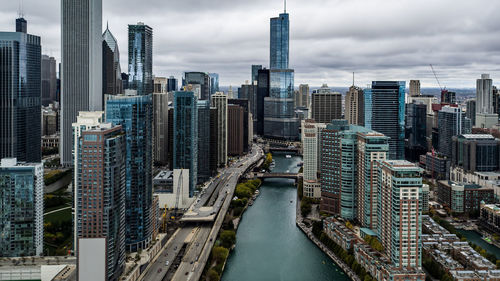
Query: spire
column 285, row 6
column 107, row 25
column 353, row 79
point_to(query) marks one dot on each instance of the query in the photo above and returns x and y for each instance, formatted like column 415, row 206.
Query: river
column 269, row 246
column 477, row 239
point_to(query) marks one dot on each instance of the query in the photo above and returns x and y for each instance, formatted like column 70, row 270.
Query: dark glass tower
column 202, row 79
column 140, row 58
column 171, row 84
column 262, row 93
column 279, row 113
column 135, row 114
column 20, row 96
column 203, row 140
column 385, row 113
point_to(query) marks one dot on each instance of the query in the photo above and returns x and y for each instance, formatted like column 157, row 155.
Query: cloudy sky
column 330, row 39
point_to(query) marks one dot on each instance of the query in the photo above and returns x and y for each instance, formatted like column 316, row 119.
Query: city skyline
column 325, row 48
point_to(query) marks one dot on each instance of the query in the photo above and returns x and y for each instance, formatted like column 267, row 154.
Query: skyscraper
column 235, row 129
column 416, row 131
column 448, row 97
column 21, row 198
column 219, row 101
column 172, row 84
column 204, row 148
column 199, row 78
column 279, row 113
column 484, row 94
column 326, row 105
column 415, row 88
column 355, row 106
column 49, row 80
column 304, row 94
column 20, row 100
column 160, row 128
column 214, row 83
column 245, row 105
column 214, row 147
column 399, row 212
column 100, row 195
column 140, row 58
column 186, row 135
column 255, row 72
column 135, row 115
column 385, row 113
column 263, row 88
column 81, row 66
column 111, row 70
column 471, row 110
column 451, row 122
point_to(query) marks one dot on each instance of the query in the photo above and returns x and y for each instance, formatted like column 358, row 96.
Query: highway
column 195, row 242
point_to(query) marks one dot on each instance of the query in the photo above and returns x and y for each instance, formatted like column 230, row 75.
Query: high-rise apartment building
column 49, row 80
column 478, row 152
column 140, row 58
column 484, row 94
column 100, row 197
column 21, row 200
column 247, row 121
column 160, row 128
column 204, row 148
column 312, row 148
column 255, row 72
column 279, row 113
column 451, row 122
column 415, row 88
column 135, row 115
column 219, row 101
column 355, row 106
column 199, row 78
column 111, row 71
column 372, row 147
column 399, row 212
column 81, row 66
column 186, row 135
column 326, row 105
column 385, row 113
column 214, row 133
column 20, row 99
column 235, row 130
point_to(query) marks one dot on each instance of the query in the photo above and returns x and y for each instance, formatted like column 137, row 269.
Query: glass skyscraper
column 186, row 135
column 214, row 83
column 279, row 113
column 20, row 95
column 140, row 58
column 204, row 172
column 135, row 114
column 385, row 113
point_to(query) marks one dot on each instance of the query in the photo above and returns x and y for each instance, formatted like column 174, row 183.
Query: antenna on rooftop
column 353, row 79
column 20, row 11
column 285, row 6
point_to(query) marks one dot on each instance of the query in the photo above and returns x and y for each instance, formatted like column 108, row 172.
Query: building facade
column 160, row 128
column 140, row 58
column 199, row 78
column 462, row 197
column 476, row 152
column 451, row 122
column 49, row 80
column 235, row 130
column 204, row 148
column 81, row 66
column 135, row 115
column 219, row 101
column 385, row 113
column 355, row 106
column 326, row 105
column 415, row 88
column 21, row 198
column 20, row 96
column 263, row 87
column 111, row 71
column 484, row 94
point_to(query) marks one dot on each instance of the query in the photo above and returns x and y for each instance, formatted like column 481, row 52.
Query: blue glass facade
column 280, row 38
column 214, row 83
column 20, row 96
column 186, row 135
column 140, row 58
column 135, row 114
column 385, row 113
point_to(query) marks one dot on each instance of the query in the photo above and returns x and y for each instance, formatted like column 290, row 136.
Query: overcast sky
column 377, row 39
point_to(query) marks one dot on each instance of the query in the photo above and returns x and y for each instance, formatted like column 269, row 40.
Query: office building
column 436, row 165
column 471, row 110
column 484, row 94
column 100, row 196
column 415, row 88
column 448, row 97
column 255, row 73
column 451, row 122
column 496, row 100
column 111, row 70
column 140, row 58
column 235, row 129
column 50, row 121
column 249, row 93
column 20, row 102
column 186, row 136
column 214, row 83
column 279, row 114
column 311, row 146
column 159, row 85
column 305, row 98
column 385, row 113
column 463, row 197
column 204, row 148
column 199, row 78
column 247, row 122
column 372, row 147
column 477, row 152
column 170, row 137
column 49, row 80
column 21, row 198
column 399, row 212
column 81, row 66
column 172, row 84
column 219, row 101
column 135, row 115
column 326, row 105
column 331, row 156
column 160, row 128
column 263, row 88
column 416, row 131
column 355, row 106
column 214, row 133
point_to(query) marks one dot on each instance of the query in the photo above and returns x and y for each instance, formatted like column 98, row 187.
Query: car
column 166, row 263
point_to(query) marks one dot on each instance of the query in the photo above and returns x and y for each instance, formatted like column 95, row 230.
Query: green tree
column 220, row 254
column 212, row 275
column 228, row 238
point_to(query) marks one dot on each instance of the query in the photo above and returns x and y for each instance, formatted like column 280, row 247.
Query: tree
column 212, row 275
column 228, row 238
column 220, row 254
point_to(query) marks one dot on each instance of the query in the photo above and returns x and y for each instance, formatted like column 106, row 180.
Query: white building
column 311, row 146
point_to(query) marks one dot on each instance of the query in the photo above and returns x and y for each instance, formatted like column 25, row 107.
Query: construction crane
column 435, row 75
column 445, row 97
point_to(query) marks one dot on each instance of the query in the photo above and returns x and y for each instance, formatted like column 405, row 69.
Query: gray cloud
column 377, row 39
